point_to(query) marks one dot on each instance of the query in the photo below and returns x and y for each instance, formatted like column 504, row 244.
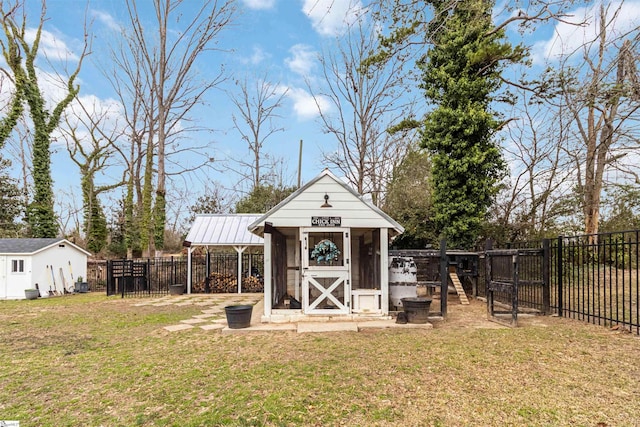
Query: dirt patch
column 475, row 316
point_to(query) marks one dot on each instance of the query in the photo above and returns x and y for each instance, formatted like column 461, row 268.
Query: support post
column 240, row 250
column 189, row 270
column 444, row 278
column 384, row 269
column 514, row 290
column 559, row 276
column 546, row 276
column 268, row 286
column 487, row 278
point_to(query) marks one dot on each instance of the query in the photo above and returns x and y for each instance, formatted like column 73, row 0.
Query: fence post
column 148, row 274
column 123, row 282
column 173, row 272
column 559, row 276
column 546, row 276
column 110, row 290
column 514, row 290
column 444, row 278
column 488, row 245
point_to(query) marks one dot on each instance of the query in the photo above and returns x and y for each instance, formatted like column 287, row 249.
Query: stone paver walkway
column 213, row 317
column 212, row 306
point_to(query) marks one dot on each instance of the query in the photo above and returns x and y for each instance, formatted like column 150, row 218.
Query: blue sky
column 281, row 38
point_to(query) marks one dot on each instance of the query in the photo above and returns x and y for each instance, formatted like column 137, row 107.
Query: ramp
column 456, row 284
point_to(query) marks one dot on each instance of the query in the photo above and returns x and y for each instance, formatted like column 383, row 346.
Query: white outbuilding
column 222, row 232
column 325, row 253
column 50, row 265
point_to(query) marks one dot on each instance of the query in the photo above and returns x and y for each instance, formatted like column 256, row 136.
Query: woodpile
column 227, row 283
column 252, row 284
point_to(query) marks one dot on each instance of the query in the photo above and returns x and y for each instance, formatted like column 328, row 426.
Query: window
column 17, row 266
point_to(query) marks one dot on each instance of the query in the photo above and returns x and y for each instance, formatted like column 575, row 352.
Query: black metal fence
column 593, row 278
column 210, row 273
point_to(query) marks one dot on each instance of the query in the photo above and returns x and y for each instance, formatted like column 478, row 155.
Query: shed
column 325, row 253
column 228, row 231
column 52, row 265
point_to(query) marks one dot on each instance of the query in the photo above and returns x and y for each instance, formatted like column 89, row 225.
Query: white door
column 326, row 271
column 3, row 277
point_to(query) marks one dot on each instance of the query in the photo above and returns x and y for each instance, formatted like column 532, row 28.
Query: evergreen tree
column 262, row 198
column 461, row 74
column 408, row 201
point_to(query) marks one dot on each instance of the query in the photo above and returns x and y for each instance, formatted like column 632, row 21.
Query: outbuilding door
column 326, row 271
column 3, row 277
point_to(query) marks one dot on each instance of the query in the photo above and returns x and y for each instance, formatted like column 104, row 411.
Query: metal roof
column 223, row 230
column 31, row 246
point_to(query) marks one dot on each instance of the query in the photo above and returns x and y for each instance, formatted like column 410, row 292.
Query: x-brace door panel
column 326, row 271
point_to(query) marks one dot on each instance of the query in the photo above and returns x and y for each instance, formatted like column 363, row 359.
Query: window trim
column 17, row 266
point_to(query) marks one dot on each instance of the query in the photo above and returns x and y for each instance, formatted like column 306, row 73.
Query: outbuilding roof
column 33, row 245
column 258, row 225
column 223, row 230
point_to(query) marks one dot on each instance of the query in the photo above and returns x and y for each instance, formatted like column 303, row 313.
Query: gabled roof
column 258, row 225
column 33, row 246
column 223, row 230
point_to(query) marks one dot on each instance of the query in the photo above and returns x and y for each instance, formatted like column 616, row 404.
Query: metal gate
column 127, row 276
column 517, row 281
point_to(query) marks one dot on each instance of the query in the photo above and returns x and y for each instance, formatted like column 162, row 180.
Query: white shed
column 325, row 253
column 51, row 265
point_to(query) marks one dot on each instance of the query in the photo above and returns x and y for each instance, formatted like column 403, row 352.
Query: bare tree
column 365, row 102
column 601, row 99
column 91, row 141
column 257, row 105
column 540, row 171
column 156, row 78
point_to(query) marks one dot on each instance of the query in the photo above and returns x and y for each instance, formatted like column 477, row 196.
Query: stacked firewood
column 252, row 284
column 218, row 283
column 227, row 283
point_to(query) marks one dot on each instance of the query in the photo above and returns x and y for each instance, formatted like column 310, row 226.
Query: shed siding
column 353, row 211
column 68, row 262
column 16, row 283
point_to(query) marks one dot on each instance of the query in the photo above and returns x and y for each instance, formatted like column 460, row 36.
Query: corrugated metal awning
column 223, row 230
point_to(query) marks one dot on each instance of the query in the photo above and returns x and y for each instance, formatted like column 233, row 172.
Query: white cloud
column 302, row 59
column 50, row 46
column 259, row 4
column 332, row 17
column 108, row 111
column 257, row 56
column 305, row 106
column 106, row 19
column 567, row 38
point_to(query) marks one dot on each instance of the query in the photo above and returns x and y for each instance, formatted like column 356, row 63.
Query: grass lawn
column 89, row 360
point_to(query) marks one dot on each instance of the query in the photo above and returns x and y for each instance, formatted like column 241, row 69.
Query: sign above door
column 326, row 221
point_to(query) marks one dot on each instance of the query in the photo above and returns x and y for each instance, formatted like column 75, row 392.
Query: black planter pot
column 177, row 289
column 416, row 309
column 238, row 316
